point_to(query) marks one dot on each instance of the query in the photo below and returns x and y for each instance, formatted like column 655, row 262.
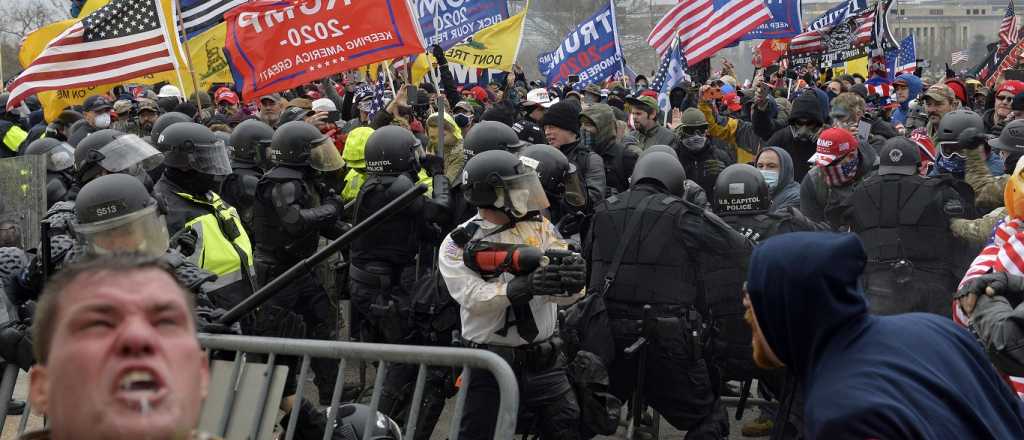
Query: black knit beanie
column 563, row 115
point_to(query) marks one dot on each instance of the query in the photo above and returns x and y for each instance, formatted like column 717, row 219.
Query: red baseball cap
column 833, row 144
column 1013, row 86
column 225, row 94
column 732, row 100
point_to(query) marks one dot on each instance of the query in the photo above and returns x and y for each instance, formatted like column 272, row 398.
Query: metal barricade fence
column 218, row 413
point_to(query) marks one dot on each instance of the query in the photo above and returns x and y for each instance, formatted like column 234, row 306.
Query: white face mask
column 102, row 120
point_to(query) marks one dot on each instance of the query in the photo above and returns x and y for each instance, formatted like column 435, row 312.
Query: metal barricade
column 385, row 354
column 230, row 385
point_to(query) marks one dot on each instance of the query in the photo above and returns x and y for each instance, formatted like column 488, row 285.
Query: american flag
column 704, row 32
column 1008, row 29
column 906, row 58
column 814, row 41
column 200, row 15
column 671, row 71
column 958, row 57
column 123, row 40
column 377, row 104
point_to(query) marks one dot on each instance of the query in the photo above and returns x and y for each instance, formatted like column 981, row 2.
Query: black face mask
column 461, row 120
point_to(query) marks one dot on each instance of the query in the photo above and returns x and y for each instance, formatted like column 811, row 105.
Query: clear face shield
column 141, row 231
column 60, row 158
column 211, row 159
column 128, row 152
column 521, row 194
column 323, row 156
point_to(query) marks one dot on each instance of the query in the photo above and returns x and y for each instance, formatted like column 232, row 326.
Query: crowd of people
column 769, row 230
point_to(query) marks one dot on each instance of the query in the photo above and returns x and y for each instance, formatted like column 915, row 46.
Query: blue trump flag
column 590, row 51
column 785, row 21
column 836, row 14
column 449, row 22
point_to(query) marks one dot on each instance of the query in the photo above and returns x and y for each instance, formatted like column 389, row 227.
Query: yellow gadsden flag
column 494, row 47
column 54, row 101
column 207, row 53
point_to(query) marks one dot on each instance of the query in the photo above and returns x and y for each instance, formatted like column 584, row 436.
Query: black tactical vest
column 273, row 242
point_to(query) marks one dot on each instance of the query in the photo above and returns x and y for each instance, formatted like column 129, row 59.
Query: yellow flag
column 420, row 67
column 494, row 47
column 857, row 65
column 55, row 101
column 207, row 53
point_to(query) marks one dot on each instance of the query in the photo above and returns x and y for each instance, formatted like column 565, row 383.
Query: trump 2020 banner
column 785, row 21
column 448, row 22
column 590, row 51
column 275, row 45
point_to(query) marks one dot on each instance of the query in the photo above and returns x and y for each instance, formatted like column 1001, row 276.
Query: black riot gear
column 498, row 180
column 299, row 144
column 557, row 174
column 393, row 150
column 903, row 221
column 113, row 151
column 189, row 146
column 166, row 120
column 491, row 135
column 741, row 189
column 116, row 214
column 249, row 141
column 662, row 168
column 59, row 155
column 351, row 423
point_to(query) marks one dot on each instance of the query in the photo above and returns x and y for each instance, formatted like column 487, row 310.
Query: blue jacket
column 914, row 85
column 912, row 376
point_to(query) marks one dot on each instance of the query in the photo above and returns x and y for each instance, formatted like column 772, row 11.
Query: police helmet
column 956, row 121
column 351, row 423
column 113, row 151
column 662, row 168
column 189, row 146
column 116, row 214
column 1011, row 139
column 491, row 135
column 497, row 179
column 741, row 189
column 557, row 175
column 59, row 155
column 249, row 141
column 392, row 150
column 166, row 120
column 298, row 143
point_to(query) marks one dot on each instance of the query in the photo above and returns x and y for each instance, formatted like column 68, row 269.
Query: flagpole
column 622, row 59
column 188, row 58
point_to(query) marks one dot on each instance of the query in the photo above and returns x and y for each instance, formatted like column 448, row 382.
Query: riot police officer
column 60, row 162
column 293, row 209
column 248, row 151
column 903, row 220
column 206, row 229
column 385, row 262
column 512, row 314
column 485, row 136
column 12, row 135
column 667, row 267
column 742, row 198
column 561, row 184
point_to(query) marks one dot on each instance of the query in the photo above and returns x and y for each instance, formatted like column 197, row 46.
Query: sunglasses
column 1007, row 98
column 694, row 131
column 805, row 123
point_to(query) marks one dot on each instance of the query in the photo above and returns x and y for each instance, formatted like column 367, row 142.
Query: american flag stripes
column 704, row 30
column 906, row 58
column 200, row 15
column 123, row 40
column 958, row 57
column 814, row 41
column 671, row 71
column 377, row 104
column 1009, row 28
column 682, row 20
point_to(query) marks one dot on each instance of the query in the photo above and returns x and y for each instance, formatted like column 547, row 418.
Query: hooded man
column 453, row 156
column 776, row 166
column 799, row 137
column 839, row 166
column 597, row 129
column 912, row 376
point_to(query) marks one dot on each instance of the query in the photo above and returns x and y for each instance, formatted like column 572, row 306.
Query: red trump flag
column 275, row 45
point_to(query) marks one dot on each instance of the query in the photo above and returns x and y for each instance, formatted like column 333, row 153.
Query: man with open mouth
column 117, row 353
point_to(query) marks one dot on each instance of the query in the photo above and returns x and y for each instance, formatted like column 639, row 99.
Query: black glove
column 336, row 202
column 31, row 280
column 1003, row 284
column 572, row 274
column 206, row 322
column 438, row 53
column 713, row 167
column 433, row 164
column 970, row 138
column 184, row 241
column 542, row 281
column 16, row 345
column 571, row 223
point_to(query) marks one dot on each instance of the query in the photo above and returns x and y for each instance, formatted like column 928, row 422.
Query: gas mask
column 804, row 133
column 694, row 143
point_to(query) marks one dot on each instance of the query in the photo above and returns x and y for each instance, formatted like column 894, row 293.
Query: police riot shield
column 22, row 200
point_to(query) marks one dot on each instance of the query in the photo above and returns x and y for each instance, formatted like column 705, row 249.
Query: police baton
column 274, row 286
